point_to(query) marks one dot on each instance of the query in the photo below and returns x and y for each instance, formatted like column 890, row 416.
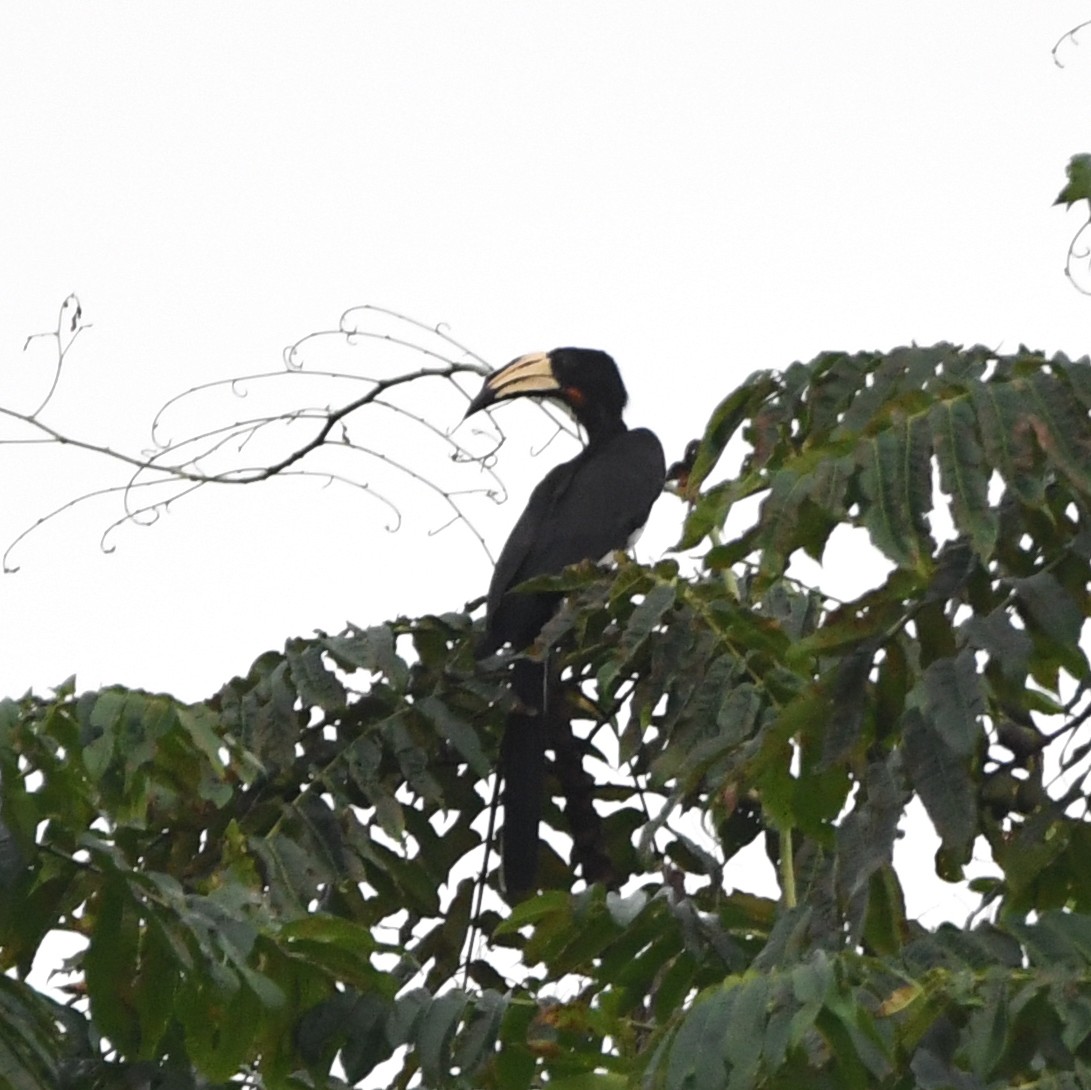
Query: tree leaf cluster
column 278, row 883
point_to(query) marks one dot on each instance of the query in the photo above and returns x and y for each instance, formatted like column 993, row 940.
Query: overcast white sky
column 702, row 189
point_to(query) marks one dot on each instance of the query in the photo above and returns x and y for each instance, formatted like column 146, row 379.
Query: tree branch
column 210, row 454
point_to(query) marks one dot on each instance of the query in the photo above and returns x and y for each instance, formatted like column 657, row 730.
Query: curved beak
column 530, row 374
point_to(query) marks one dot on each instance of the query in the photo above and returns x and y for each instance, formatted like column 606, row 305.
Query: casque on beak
column 530, row 374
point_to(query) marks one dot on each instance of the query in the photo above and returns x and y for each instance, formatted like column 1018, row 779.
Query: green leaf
column 964, row 473
column 674, row 985
column 339, row 947
column 368, row 1042
column 951, row 696
column 860, row 1043
column 744, row 1042
column 836, row 381
column 943, row 780
column 110, row 965
column 455, row 730
column 200, row 726
column 648, row 615
column 408, row 1011
column 31, row 1042
column 866, row 837
column 780, row 517
column 98, row 752
column 697, row 1053
column 1060, row 427
column 708, row 513
column 219, row 1046
column 812, row 983
column 1076, row 1021
column 896, row 482
column 1009, row 647
column 435, row 1031
column 371, row 649
column 849, row 704
column 1078, row 186
column 1050, row 607
column 1001, row 408
column 154, row 989
column 1067, row 936
column 478, row 1038
column 317, row 686
column 725, row 421
column 884, row 924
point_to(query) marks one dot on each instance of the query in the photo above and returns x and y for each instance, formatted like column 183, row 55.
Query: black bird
column 582, row 510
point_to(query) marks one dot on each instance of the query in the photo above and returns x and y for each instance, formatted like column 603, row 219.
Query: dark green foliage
column 1078, row 187
column 281, row 879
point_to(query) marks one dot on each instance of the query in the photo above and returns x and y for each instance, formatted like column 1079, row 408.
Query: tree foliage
column 277, row 885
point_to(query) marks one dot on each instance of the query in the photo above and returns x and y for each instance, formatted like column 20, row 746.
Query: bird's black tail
column 523, row 763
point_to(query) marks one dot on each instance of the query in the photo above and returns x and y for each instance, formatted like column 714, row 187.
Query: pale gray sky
column 702, row 189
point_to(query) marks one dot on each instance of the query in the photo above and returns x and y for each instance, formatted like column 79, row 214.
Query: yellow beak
column 529, row 374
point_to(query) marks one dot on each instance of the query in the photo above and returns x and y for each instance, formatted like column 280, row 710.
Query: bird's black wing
column 582, row 510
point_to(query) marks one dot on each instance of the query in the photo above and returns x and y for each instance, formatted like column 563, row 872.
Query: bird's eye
column 574, row 396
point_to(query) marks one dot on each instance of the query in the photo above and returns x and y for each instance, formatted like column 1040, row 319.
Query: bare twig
column 1069, row 36
column 68, row 322
column 1078, row 252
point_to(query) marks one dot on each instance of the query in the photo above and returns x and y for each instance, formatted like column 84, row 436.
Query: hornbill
column 582, row 510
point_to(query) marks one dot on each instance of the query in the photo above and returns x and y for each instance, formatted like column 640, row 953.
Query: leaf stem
column 787, row 866
column 730, row 582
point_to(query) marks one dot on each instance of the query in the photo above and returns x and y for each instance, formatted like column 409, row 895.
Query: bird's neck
column 601, row 429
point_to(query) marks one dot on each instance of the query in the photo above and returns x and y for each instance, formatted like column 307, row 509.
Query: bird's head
column 585, row 380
